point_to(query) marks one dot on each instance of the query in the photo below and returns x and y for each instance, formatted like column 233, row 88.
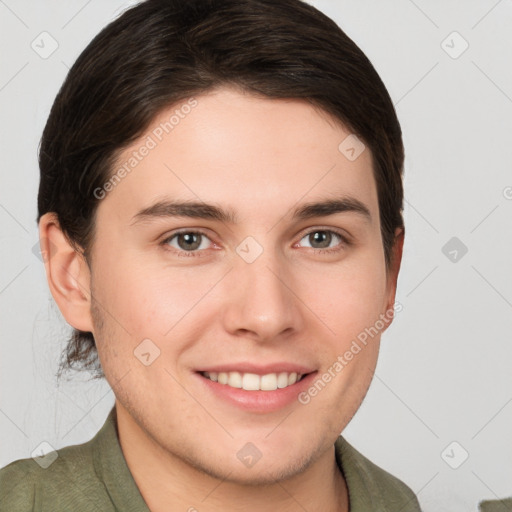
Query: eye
column 192, row 243
column 322, row 239
column 187, row 242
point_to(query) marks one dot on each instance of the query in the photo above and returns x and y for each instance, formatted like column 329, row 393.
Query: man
column 220, row 210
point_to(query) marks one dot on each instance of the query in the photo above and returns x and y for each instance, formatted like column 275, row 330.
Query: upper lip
column 247, row 367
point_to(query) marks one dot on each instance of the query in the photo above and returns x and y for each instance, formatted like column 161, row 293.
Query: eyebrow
column 200, row 210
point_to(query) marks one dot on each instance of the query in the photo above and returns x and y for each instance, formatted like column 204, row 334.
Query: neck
column 167, row 482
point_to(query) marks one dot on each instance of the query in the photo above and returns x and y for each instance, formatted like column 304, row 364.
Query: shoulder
column 371, row 487
column 17, row 485
column 65, row 479
column 32, row 483
column 504, row 505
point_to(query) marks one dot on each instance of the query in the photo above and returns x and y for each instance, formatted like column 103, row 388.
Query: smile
column 254, row 382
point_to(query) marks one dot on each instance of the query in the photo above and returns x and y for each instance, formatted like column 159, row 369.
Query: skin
column 261, row 158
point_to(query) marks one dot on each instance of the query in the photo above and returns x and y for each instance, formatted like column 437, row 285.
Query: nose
column 261, row 299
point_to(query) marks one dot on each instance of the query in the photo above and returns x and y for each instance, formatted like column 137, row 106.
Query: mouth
column 256, row 387
column 259, row 393
column 255, row 382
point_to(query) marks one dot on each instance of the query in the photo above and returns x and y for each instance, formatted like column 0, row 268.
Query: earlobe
column 67, row 273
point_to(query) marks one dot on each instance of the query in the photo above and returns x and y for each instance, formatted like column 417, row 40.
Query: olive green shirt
column 94, row 476
column 497, row 505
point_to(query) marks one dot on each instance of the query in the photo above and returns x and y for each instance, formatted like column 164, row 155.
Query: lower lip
column 258, row 401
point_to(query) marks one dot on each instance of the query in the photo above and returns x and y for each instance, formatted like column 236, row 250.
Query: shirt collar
column 111, row 468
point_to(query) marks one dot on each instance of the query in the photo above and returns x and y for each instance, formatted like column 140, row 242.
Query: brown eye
column 187, row 241
column 320, row 237
column 323, row 239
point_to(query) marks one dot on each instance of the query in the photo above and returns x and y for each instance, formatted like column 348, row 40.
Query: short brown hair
column 161, row 52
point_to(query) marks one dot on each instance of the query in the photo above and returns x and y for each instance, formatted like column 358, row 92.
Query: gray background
column 444, row 371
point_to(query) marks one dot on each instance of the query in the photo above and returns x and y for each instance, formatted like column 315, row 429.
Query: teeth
column 254, row 382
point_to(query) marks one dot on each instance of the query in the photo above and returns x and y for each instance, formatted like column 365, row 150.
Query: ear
column 67, row 273
column 394, row 267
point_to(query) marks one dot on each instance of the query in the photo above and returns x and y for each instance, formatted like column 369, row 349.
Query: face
column 252, row 279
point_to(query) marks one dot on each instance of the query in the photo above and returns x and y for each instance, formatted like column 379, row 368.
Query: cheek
column 150, row 300
column 349, row 298
column 349, row 302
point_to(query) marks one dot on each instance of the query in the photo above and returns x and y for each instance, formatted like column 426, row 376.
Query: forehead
column 254, row 153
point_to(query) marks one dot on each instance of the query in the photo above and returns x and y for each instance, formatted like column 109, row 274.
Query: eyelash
column 196, row 253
